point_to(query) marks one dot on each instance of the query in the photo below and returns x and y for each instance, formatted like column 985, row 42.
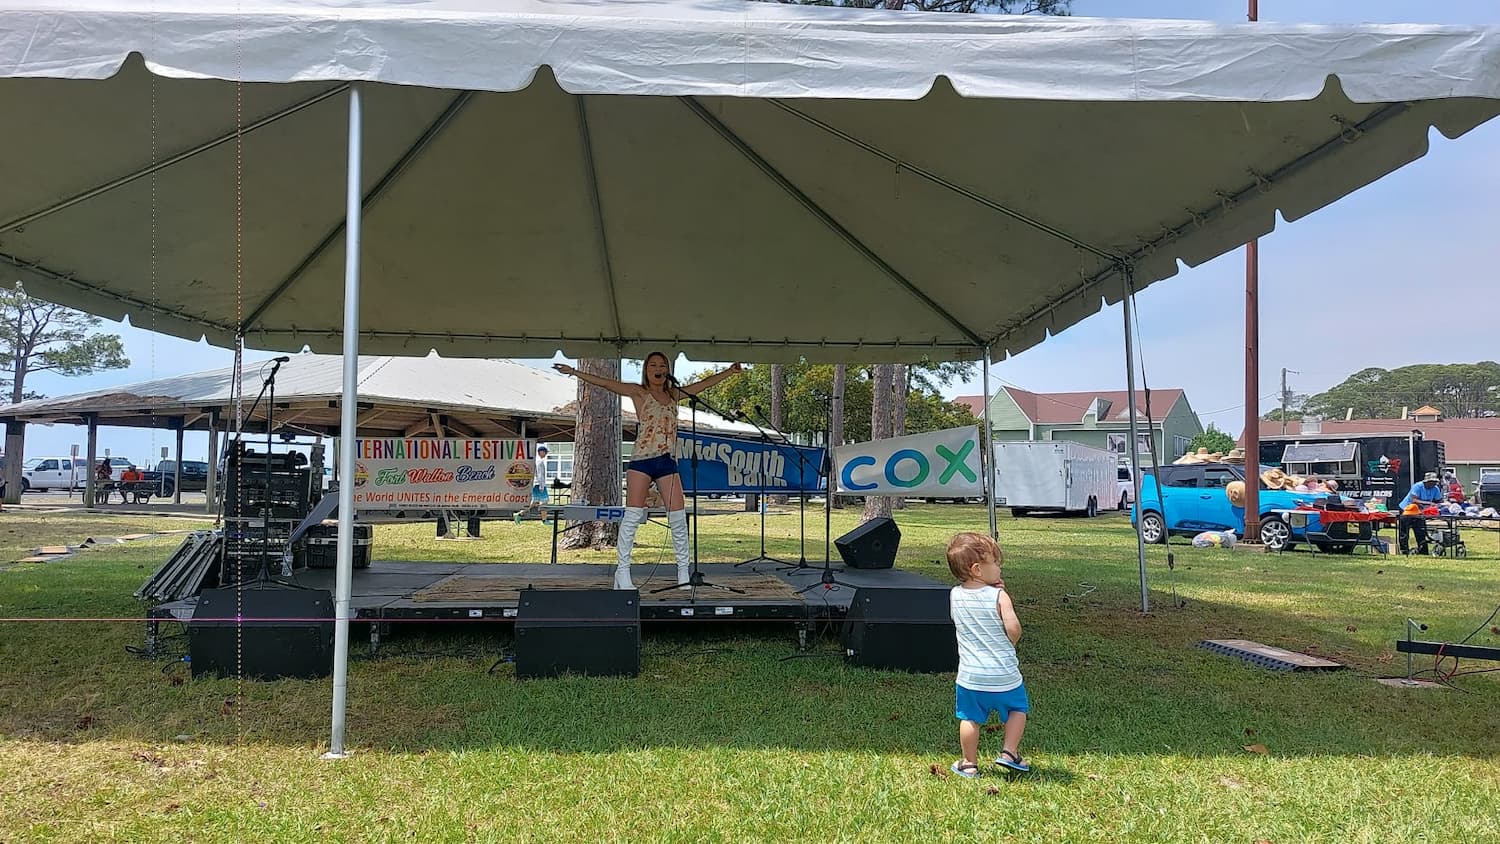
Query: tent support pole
column 1133, row 447
column 347, row 410
column 987, row 451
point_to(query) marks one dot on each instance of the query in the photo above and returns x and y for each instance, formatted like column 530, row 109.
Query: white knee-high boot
column 681, row 547
column 634, row 516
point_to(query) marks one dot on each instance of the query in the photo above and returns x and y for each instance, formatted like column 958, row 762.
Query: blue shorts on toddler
column 970, row 705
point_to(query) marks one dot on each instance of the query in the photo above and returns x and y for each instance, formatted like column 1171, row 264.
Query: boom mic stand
column 268, row 384
column 696, row 579
column 801, row 491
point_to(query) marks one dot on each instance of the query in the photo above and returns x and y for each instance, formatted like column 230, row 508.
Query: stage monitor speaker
column 872, row 545
column 280, row 633
column 900, row 629
column 578, row 631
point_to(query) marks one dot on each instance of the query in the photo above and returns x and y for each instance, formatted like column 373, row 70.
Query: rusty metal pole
column 1252, row 376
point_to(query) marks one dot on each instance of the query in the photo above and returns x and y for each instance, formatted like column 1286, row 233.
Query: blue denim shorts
column 969, row 705
column 656, row 467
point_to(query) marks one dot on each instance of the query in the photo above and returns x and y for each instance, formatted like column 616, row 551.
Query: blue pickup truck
column 1195, row 500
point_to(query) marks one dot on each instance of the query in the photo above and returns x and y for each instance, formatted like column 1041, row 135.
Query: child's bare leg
column 1015, row 724
column 968, row 741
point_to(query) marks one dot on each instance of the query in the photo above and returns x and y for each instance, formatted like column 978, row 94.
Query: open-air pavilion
column 398, row 397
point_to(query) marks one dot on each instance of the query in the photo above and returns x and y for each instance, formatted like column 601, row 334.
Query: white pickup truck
column 44, row 473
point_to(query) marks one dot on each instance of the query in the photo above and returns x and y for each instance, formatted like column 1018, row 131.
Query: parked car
column 194, row 476
column 44, row 473
column 1487, row 491
column 1195, row 500
column 1126, row 487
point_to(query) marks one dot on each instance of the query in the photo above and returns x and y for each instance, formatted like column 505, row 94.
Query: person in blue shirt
column 1426, row 493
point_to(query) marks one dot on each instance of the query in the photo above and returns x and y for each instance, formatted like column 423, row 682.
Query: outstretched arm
column 697, row 387
column 618, row 387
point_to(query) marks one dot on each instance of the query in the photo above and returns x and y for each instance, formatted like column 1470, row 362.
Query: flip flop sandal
column 967, row 770
column 1012, row 762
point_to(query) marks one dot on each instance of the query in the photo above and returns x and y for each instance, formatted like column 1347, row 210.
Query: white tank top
column 656, row 431
column 986, row 658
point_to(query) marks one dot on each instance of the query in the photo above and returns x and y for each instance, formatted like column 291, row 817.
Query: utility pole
column 1252, row 375
column 1286, row 396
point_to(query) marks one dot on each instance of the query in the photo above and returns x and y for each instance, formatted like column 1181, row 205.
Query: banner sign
column 399, row 473
column 940, row 464
column 730, row 464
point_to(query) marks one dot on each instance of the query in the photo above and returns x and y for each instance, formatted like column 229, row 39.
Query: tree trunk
column 900, row 386
column 596, row 455
column 778, row 409
column 836, row 423
column 879, row 506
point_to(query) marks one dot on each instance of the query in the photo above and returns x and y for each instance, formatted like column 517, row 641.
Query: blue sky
column 1403, row 271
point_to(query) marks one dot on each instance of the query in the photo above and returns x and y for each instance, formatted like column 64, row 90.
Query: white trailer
column 1058, row 477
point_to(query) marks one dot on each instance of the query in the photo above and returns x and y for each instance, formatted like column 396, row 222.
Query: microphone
column 672, row 379
column 282, row 359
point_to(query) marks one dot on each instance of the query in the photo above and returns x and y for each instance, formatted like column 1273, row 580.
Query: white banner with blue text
column 938, row 464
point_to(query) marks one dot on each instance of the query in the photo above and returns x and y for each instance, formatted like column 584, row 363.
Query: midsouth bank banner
column 940, row 464
column 729, row 464
column 398, row 473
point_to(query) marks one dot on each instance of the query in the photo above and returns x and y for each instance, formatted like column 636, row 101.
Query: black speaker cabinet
column 901, row 629
column 282, row 633
column 578, row 631
column 872, row 545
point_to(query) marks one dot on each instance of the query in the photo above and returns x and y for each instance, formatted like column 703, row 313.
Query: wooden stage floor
column 415, row 591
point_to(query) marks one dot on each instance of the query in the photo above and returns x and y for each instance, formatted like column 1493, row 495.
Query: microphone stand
column 696, row 579
column 764, row 557
column 827, row 580
column 263, row 571
column 801, row 491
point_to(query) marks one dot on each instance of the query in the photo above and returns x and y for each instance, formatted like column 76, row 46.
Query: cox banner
column 940, row 464
column 729, row 464
column 397, row 473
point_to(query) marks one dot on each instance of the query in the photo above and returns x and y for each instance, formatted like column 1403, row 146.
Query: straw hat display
column 1235, row 455
column 1277, row 479
column 1236, row 492
column 1202, row 455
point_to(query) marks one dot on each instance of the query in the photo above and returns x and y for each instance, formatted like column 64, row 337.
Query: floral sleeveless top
column 657, row 431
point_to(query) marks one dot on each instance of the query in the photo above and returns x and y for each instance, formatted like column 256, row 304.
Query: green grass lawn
column 1136, row 735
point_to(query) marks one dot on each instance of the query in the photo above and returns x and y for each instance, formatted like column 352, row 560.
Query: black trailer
column 1370, row 466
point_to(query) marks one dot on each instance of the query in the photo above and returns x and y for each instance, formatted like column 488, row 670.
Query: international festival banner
column 400, row 473
column 733, row 465
column 940, row 464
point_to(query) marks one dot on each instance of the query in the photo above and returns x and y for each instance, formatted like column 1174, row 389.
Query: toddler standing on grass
column 989, row 674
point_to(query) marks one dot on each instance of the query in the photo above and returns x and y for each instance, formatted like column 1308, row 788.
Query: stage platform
column 392, row 592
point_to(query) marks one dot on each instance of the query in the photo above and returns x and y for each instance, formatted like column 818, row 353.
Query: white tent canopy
column 778, row 181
